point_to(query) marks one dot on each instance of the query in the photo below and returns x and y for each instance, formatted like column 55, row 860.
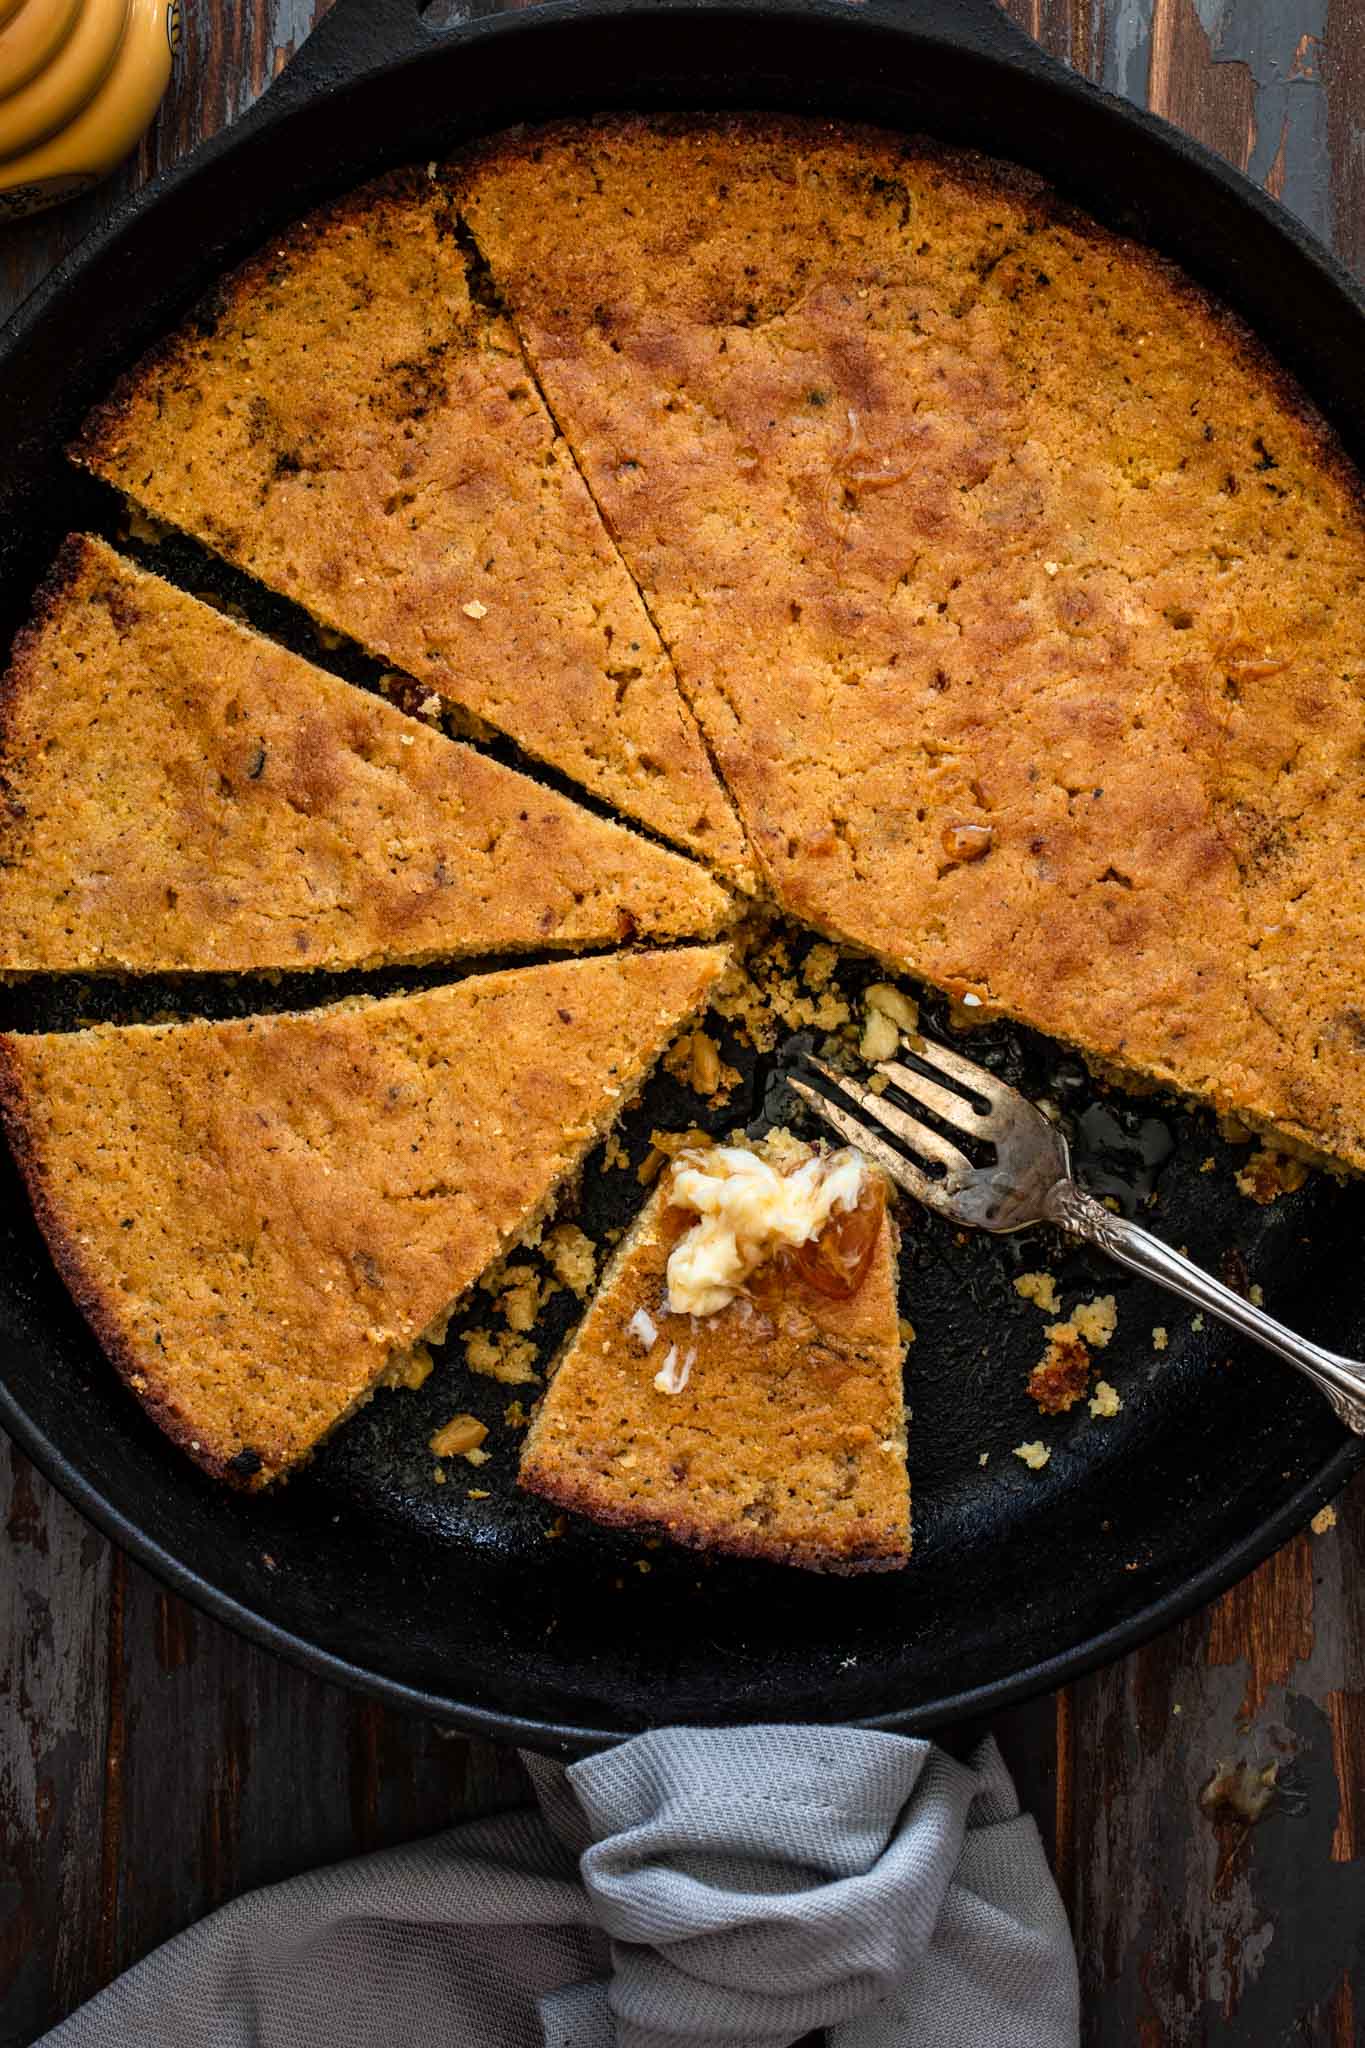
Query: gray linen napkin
column 693, row 1888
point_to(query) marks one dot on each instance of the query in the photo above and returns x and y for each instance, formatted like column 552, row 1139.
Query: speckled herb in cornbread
column 181, row 794
column 1018, row 593
column 787, row 1440
column 345, row 421
column 261, row 1219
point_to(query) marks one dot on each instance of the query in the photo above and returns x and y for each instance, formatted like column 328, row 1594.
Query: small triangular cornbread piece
column 787, row 1440
column 345, row 421
column 184, row 795
column 262, row 1218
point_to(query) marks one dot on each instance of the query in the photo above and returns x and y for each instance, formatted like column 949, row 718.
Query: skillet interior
column 363, row 1563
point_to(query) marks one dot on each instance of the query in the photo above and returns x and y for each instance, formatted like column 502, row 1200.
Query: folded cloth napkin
column 693, row 1888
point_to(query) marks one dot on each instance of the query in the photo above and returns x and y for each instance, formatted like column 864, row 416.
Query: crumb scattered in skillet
column 1270, row 1174
column 1060, row 1378
column 1040, row 1289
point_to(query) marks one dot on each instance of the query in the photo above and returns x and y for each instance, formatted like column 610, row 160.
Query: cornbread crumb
column 1034, row 1455
column 438, row 1474
column 880, row 1040
column 1062, row 1374
column 907, row 1330
column 515, row 1415
column 475, row 1455
column 1106, row 1400
column 984, row 1458
column 694, row 1059
column 477, row 1493
column 410, row 1369
column 501, row 1355
column 1239, row 1790
column 1040, row 1289
column 1096, row 1320
column 573, row 1258
column 521, row 1297
column 462, row 1433
column 819, row 964
column 1256, row 1294
column 1323, row 1520
column 1161, row 1337
column 474, row 610
column 1269, row 1174
column 1197, row 1323
column 615, row 1154
column 884, row 1000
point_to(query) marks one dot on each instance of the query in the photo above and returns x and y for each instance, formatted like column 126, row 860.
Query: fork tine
column 919, row 1137
column 954, row 1109
column 958, row 1068
column 895, row 1164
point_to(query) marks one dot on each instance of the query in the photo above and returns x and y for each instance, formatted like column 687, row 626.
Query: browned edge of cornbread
column 978, row 172
column 85, row 1286
column 100, row 425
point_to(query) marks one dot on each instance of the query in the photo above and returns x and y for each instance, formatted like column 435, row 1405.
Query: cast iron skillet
column 472, row 1611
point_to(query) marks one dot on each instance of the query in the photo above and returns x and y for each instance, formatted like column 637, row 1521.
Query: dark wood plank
column 239, row 1770
column 1204, row 1926
column 57, row 1617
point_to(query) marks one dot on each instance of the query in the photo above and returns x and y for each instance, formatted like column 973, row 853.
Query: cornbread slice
column 346, row 422
column 787, row 1440
column 182, row 794
column 263, row 1218
column 1018, row 593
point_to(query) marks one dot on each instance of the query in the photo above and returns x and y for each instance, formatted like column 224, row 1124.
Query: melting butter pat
column 746, row 1210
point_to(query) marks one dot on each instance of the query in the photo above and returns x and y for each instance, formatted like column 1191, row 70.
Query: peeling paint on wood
column 1213, row 100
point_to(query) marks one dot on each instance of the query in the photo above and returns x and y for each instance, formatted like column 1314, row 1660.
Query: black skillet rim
column 356, row 40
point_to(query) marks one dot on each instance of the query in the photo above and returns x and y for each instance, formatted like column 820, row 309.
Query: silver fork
column 1029, row 1181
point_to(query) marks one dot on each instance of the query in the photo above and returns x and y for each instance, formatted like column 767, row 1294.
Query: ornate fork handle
column 1340, row 1379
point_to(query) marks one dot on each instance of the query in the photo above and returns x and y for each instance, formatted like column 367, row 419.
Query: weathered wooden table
column 152, row 1765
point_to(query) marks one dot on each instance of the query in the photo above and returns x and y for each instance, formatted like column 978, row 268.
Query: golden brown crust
column 179, row 794
column 346, row 422
column 257, row 1216
column 786, row 1442
column 963, row 516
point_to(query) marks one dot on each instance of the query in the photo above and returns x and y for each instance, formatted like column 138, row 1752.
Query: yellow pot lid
column 30, row 38
column 73, row 76
column 106, row 127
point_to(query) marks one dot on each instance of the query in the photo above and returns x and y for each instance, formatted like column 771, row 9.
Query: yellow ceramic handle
column 31, row 39
column 58, row 93
column 110, row 122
